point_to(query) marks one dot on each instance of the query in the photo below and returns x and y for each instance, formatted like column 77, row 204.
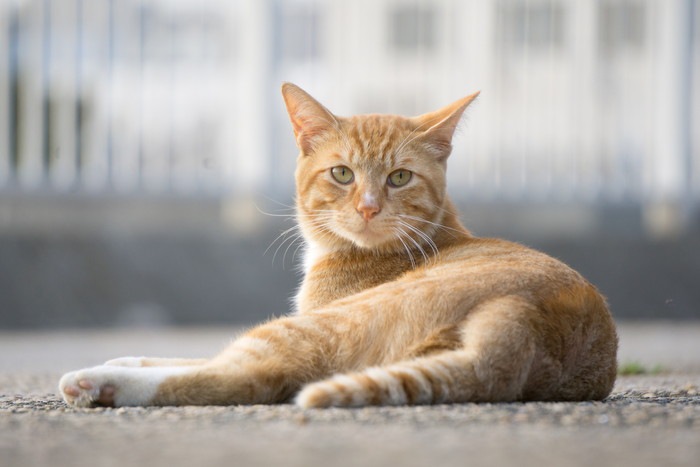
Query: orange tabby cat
column 400, row 304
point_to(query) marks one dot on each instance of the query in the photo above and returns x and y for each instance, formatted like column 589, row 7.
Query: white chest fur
column 313, row 253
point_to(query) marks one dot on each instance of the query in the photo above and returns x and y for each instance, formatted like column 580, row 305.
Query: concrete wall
column 160, row 263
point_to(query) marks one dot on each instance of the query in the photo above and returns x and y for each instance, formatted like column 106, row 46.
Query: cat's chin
column 368, row 244
column 370, row 240
column 347, row 242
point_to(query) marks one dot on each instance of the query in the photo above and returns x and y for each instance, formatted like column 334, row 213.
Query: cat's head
column 372, row 181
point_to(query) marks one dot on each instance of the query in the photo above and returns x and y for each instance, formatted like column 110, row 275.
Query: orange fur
column 400, row 304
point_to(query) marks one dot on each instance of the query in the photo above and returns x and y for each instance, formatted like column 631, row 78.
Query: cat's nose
column 368, row 207
column 368, row 212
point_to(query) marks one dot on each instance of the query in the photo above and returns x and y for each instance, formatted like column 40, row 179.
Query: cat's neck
column 313, row 253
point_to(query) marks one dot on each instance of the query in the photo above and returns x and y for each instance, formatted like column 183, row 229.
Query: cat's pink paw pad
column 79, row 391
column 71, row 391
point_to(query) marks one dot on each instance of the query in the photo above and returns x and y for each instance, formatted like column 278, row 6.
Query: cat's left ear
column 310, row 119
column 440, row 125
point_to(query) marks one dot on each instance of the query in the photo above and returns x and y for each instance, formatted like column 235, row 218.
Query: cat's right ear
column 310, row 120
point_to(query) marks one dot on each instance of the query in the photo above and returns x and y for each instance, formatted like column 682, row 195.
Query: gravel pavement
column 648, row 420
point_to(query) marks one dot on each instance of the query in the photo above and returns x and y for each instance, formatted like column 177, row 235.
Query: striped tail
column 412, row 383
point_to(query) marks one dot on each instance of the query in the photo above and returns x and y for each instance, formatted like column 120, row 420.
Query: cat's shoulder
column 496, row 249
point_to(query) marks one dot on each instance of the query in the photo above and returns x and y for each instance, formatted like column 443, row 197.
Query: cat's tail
column 445, row 378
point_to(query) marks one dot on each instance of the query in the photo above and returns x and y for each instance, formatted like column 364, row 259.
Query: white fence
column 581, row 99
column 112, row 95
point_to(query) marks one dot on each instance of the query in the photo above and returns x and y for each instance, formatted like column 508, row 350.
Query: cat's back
column 499, row 261
column 480, row 268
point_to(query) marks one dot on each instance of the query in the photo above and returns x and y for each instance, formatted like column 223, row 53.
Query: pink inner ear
column 309, row 118
column 442, row 123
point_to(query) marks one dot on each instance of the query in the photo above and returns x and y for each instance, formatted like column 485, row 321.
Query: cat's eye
column 399, row 177
column 342, row 174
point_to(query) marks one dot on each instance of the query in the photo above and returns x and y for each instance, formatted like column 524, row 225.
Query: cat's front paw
column 84, row 389
column 115, row 385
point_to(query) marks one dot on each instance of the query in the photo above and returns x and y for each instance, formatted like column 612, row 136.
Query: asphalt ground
column 649, row 420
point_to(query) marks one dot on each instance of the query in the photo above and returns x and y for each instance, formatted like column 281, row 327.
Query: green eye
column 399, row 177
column 342, row 174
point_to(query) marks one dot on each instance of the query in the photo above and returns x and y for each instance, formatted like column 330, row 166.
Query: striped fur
column 400, row 304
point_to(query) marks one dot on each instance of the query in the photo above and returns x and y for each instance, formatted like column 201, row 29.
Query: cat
column 400, row 304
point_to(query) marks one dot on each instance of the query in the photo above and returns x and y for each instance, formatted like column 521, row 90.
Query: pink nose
column 368, row 211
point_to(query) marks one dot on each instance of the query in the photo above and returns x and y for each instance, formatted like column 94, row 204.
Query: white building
column 581, row 99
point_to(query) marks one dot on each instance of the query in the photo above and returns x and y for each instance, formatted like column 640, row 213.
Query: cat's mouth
column 370, row 234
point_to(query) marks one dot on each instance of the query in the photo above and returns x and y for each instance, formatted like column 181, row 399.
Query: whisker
column 443, row 209
column 317, row 219
column 289, row 216
column 439, row 226
column 288, row 206
column 295, row 238
column 320, row 223
column 418, row 247
column 280, row 236
column 292, row 238
column 294, row 254
column 399, row 234
column 325, row 229
column 261, row 211
column 422, row 235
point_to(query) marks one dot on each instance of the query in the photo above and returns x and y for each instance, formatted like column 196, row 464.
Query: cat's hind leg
column 492, row 365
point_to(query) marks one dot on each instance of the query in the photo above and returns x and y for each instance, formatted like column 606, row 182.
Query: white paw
column 88, row 388
column 114, row 386
column 126, row 361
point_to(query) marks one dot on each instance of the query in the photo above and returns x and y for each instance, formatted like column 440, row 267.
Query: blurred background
column 142, row 143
